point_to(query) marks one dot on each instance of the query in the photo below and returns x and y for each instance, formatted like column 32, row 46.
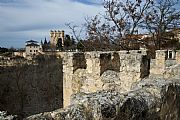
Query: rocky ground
column 150, row 99
column 5, row 116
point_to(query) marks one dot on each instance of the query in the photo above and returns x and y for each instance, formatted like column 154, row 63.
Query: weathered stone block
column 84, row 71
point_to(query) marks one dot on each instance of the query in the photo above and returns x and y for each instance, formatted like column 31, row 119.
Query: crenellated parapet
column 85, row 71
column 55, row 35
column 165, row 63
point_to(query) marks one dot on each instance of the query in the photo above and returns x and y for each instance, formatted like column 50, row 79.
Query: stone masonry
column 163, row 67
column 87, row 72
column 119, row 85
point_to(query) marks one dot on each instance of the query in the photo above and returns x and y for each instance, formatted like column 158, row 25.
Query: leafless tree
column 99, row 32
column 27, row 89
column 76, row 31
column 123, row 20
column 126, row 16
column 163, row 16
column 21, row 84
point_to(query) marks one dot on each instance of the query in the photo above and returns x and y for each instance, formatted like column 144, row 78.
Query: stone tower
column 55, row 35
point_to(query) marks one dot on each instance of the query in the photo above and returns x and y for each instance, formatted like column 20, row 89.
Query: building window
column 36, row 50
column 171, row 54
column 30, row 50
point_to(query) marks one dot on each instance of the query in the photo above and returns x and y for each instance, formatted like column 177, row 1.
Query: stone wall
column 109, row 61
column 113, row 85
column 149, row 99
column 163, row 67
column 158, row 65
column 92, row 71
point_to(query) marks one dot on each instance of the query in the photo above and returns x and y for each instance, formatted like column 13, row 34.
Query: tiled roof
column 31, row 41
column 32, row 44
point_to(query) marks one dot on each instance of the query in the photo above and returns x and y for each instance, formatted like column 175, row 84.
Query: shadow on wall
column 79, row 61
column 109, row 61
column 145, row 67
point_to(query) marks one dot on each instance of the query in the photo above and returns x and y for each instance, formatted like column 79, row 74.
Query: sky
column 22, row 20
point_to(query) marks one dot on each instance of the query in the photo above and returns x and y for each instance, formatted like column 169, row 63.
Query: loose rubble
column 5, row 116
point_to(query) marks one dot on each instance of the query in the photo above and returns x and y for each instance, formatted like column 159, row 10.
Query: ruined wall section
column 163, row 67
column 130, row 68
column 178, row 57
column 92, row 71
column 67, row 77
column 109, row 61
column 80, row 73
column 87, row 80
column 79, row 61
column 158, row 65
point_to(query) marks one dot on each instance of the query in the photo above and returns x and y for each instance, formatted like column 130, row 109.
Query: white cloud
column 32, row 19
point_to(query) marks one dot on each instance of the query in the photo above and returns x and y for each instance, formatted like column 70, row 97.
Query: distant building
column 19, row 53
column 55, row 37
column 32, row 48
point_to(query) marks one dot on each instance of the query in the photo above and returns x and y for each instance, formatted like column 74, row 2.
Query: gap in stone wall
column 79, row 61
column 109, row 61
column 145, row 67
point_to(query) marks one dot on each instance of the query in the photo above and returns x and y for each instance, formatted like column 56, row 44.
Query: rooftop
column 32, row 44
column 31, row 41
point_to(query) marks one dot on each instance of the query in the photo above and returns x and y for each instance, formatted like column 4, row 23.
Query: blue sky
column 22, row 20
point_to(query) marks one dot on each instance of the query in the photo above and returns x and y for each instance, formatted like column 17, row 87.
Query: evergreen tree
column 73, row 40
column 41, row 42
column 46, row 44
column 80, row 45
column 67, row 41
column 59, row 44
column 45, row 41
